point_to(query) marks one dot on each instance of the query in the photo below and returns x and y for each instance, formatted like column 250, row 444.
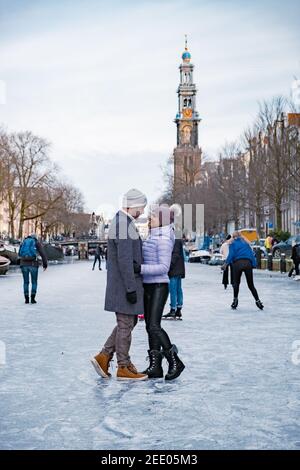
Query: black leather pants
column 155, row 297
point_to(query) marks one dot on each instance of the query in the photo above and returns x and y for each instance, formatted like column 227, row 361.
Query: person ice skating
column 29, row 263
column 269, row 243
column 124, row 289
column 157, row 254
column 243, row 260
column 98, row 254
column 224, row 250
column 296, row 257
column 176, row 274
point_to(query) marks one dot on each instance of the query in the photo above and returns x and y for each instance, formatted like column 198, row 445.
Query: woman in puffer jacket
column 157, row 253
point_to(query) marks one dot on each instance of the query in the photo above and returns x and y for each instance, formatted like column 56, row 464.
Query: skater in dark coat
column 176, row 274
column 124, row 289
column 243, row 261
column 296, row 257
column 29, row 263
column 98, row 255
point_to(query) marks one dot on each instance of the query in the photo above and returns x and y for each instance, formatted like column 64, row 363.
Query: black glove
column 131, row 297
column 137, row 267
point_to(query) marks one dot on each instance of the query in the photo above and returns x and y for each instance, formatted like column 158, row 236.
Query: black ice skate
column 171, row 315
column 259, row 304
column 234, row 303
column 178, row 314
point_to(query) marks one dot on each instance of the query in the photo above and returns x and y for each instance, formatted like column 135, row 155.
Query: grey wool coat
column 123, row 248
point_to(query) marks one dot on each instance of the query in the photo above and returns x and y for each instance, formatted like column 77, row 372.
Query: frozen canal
column 240, row 388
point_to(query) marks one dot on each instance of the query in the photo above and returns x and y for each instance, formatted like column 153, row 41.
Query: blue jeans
column 176, row 294
column 31, row 271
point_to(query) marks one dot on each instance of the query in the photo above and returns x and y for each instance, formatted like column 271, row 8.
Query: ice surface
column 240, row 388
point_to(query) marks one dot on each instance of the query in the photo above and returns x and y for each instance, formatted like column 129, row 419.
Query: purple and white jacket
column 157, row 254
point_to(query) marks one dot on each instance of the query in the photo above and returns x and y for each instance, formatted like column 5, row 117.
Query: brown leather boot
column 125, row 373
column 132, row 368
column 101, row 363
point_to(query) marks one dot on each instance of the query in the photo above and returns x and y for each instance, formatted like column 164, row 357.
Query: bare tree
column 278, row 157
column 8, row 180
column 35, row 176
column 168, row 197
column 255, row 155
column 231, row 177
column 32, row 187
column 60, row 215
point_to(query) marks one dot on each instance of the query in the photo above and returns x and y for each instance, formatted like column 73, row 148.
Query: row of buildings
column 8, row 226
column 77, row 225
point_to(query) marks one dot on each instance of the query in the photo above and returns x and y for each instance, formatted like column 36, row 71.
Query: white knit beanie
column 134, row 198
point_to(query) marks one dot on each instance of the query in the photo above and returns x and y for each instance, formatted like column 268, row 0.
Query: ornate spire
column 186, row 56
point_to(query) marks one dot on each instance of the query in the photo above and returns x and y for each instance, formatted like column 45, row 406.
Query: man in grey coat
column 124, row 289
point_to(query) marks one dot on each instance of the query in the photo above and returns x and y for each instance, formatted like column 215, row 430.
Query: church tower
column 187, row 154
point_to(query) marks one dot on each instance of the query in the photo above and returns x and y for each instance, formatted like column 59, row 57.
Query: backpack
column 297, row 247
column 28, row 249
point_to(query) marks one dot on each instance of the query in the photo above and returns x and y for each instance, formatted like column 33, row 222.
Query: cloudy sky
column 98, row 79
